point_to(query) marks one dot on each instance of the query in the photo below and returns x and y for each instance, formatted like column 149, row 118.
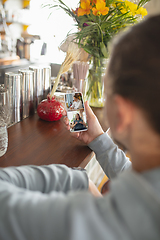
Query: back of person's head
column 134, row 68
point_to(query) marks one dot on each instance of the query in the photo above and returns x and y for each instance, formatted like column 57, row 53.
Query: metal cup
column 13, row 82
column 46, row 81
column 27, row 92
column 38, row 84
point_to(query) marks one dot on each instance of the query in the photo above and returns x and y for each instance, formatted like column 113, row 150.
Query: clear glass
column 94, row 89
column 3, row 140
column 4, row 120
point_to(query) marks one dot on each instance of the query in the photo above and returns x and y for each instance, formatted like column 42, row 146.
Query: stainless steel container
column 12, row 82
column 38, row 84
column 46, row 81
column 27, row 92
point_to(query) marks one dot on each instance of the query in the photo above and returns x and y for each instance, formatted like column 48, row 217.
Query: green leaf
column 104, row 49
column 142, row 2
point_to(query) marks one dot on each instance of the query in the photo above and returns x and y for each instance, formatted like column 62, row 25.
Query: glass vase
column 94, row 90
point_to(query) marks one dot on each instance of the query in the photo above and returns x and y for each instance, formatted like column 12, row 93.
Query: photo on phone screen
column 76, row 112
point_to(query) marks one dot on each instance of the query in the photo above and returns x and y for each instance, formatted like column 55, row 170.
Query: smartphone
column 76, row 112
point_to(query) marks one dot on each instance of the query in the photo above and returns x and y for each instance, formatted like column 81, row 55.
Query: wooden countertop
column 9, row 60
column 37, row 142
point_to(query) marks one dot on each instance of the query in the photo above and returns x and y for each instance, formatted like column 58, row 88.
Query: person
column 77, row 103
column 52, row 202
column 70, row 104
column 79, row 124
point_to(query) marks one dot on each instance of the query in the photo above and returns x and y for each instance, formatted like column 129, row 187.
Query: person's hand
column 93, row 189
column 94, row 127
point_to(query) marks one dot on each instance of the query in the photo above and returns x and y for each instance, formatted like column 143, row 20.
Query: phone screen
column 76, row 112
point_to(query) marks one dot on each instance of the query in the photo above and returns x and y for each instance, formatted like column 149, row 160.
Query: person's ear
column 124, row 113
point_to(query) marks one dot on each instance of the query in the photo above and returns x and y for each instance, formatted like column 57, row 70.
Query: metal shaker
column 27, row 92
column 12, row 82
column 38, row 84
column 46, row 81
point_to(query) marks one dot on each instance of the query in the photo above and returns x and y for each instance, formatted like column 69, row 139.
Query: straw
column 79, row 71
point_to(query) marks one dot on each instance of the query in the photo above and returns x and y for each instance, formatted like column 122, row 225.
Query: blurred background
column 29, row 31
column 32, row 30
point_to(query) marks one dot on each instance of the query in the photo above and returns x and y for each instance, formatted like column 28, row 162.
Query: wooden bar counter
column 37, row 142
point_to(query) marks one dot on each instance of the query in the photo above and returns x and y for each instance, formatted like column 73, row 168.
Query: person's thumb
column 89, row 111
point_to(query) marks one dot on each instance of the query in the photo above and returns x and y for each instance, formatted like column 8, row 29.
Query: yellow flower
column 123, row 10
column 100, row 8
column 115, row 4
column 142, row 11
column 84, row 8
column 131, row 7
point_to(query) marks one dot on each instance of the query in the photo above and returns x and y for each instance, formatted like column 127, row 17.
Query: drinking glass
column 4, row 119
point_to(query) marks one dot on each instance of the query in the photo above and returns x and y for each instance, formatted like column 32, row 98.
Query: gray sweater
column 52, row 202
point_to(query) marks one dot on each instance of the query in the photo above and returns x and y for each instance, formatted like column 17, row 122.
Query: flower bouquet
column 97, row 22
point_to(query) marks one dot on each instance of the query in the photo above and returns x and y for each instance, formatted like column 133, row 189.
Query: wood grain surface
column 37, row 142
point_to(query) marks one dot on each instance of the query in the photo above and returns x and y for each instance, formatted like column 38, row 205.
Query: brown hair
column 134, row 68
column 79, row 116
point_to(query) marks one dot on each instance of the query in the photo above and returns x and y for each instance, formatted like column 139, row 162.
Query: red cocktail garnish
column 50, row 109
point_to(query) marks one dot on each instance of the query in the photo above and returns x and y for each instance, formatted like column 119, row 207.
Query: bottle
column 3, row 139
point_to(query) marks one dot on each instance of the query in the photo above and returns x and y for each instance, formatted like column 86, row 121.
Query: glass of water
column 4, row 119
